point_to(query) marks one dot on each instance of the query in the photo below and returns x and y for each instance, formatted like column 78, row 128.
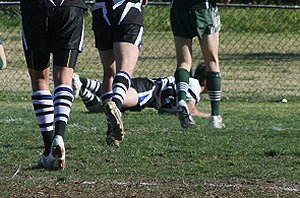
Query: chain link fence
column 259, row 51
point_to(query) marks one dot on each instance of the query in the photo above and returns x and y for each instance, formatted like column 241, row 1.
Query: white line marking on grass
column 285, row 189
column 11, row 120
column 140, row 183
column 88, row 182
column 121, row 183
column 148, row 184
column 277, row 128
column 17, row 171
column 276, row 187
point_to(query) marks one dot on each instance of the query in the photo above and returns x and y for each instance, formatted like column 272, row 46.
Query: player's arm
column 194, row 111
column 2, row 57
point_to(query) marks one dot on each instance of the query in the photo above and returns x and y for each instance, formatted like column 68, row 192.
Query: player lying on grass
column 158, row 93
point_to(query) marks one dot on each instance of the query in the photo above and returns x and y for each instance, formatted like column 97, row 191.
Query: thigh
column 126, row 55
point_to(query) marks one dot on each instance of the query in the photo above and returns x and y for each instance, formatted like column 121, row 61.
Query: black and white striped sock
column 91, row 101
column 44, row 111
column 121, row 83
column 92, row 85
column 63, row 98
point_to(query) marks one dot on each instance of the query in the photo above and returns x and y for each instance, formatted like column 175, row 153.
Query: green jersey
column 193, row 4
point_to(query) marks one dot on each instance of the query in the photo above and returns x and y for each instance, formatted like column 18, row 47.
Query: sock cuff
column 63, row 87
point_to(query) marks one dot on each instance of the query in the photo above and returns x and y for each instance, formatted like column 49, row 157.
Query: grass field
column 256, row 155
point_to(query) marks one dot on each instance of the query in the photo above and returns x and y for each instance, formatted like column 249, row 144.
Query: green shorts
column 188, row 23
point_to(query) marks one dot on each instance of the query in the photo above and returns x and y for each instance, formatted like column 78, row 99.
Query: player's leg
column 65, row 49
column 209, row 46
column 92, row 85
column 91, row 101
column 131, row 100
column 103, row 32
column 126, row 52
column 126, row 55
column 109, row 70
column 145, row 92
column 127, row 41
column 89, row 91
column 183, row 34
column 63, row 98
column 126, row 58
column 43, row 105
column 182, row 74
column 184, row 63
column 37, row 55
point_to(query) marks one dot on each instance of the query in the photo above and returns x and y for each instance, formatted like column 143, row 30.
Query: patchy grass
column 256, row 155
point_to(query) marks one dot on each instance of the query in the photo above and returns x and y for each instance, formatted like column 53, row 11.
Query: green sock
column 182, row 77
column 214, row 91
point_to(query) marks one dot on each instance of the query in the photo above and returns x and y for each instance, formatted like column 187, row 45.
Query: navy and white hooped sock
column 121, row 84
column 107, row 96
column 92, row 85
column 63, row 98
column 44, row 111
column 91, row 101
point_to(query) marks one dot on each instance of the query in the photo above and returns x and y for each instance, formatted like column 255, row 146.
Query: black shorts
column 117, row 24
column 149, row 94
column 53, row 30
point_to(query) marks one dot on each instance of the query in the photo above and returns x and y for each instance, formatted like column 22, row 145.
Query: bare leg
column 62, row 75
column 109, row 68
column 126, row 56
column 183, row 52
column 131, row 99
column 39, row 79
column 209, row 45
